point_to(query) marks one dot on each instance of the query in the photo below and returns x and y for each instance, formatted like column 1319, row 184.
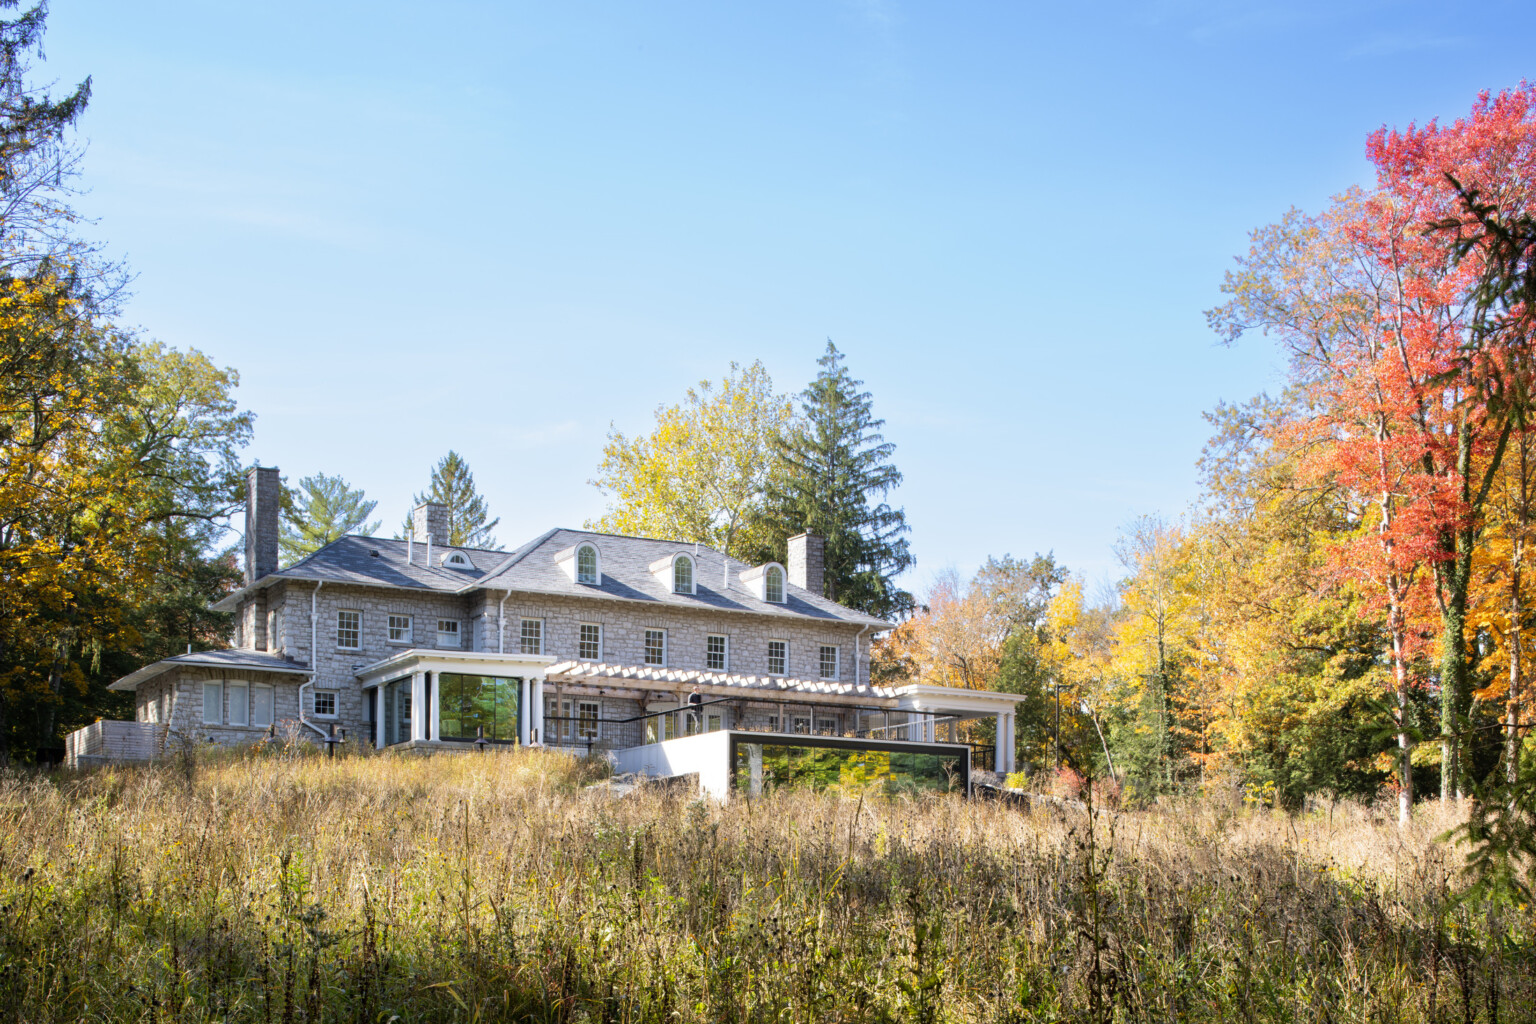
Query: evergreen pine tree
column 320, row 510
column 834, row 476
column 453, row 485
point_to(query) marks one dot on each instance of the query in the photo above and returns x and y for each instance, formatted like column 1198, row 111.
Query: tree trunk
column 1454, row 576
column 1512, row 704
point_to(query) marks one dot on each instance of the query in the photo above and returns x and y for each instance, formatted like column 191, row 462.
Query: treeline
column 742, row 468
column 1349, row 606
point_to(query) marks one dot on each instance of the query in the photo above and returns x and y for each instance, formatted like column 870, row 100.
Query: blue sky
column 498, row 227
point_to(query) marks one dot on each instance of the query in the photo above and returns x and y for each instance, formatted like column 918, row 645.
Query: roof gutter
column 314, row 654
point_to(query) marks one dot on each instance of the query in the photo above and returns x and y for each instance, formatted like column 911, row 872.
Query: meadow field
column 498, row 887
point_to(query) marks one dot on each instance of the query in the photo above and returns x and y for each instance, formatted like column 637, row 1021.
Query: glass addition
column 397, row 711
column 761, row 767
column 467, row 704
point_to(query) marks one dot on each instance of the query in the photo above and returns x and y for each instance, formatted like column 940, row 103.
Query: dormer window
column 586, row 564
column 773, row 585
column 456, row 560
column 682, row 575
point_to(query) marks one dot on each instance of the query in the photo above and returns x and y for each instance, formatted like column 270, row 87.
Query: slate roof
column 531, row 569
column 237, row 660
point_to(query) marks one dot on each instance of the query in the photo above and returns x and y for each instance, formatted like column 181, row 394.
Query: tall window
column 587, row 714
column 239, row 704
column 655, row 647
column 447, row 632
column 399, row 629
column 469, row 705
column 349, row 630
column 682, row 575
column 589, row 646
column 828, row 662
column 261, row 705
column 716, row 650
column 778, row 657
column 325, row 703
column 532, row 639
column 586, row 564
column 213, row 703
column 773, row 584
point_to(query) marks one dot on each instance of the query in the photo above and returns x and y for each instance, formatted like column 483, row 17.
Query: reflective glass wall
column 468, row 703
column 761, row 767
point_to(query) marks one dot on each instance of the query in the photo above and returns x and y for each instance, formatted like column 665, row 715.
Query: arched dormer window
column 773, row 585
column 457, row 560
column 586, row 564
column 682, row 575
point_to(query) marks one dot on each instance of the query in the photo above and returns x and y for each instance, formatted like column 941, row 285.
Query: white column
column 436, row 702
column 418, row 705
column 1010, row 757
column 536, row 703
column 525, row 711
column 1001, row 742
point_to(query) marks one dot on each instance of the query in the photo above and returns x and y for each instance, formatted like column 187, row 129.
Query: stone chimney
column 429, row 524
column 263, row 494
column 807, row 557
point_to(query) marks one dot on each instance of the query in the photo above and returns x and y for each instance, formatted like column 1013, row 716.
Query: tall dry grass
column 495, row 887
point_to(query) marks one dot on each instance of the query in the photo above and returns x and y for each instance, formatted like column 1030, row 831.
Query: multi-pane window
column 587, row 714
column 325, row 703
column 213, row 703
column 399, row 629
column 349, row 630
column 826, row 726
column 586, row 564
column 773, row 584
column 803, row 726
column 447, row 632
column 655, row 647
column 532, row 638
column 715, row 653
column 778, row 657
column 828, row 662
column 682, row 575
column 589, row 645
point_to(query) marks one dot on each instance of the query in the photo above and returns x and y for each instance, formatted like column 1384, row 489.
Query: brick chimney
column 263, row 487
column 807, row 556
column 429, row 524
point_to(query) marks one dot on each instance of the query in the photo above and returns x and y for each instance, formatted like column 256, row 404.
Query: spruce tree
column 453, row 485
column 834, row 476
column 320, row 510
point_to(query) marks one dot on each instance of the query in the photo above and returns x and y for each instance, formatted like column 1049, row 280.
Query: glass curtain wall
column 763, row 767
column 469, row 703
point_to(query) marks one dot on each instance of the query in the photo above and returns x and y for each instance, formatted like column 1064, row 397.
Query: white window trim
column 335, row 702
column 784, row 671
column 597, row 565
column 599, row 628
column 410, row 628
column 458, row 635
column 244, row 704
column 783, row 584
column 723, row 636
column 837, row 662
column 645, row 644
column 693, row 573
column 349, row 611
column 271, row 692
column 520, row 622
column 212, row 685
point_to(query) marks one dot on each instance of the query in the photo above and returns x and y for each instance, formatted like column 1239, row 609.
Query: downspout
column 314, row 654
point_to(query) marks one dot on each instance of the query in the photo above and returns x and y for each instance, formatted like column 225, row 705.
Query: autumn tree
column 453, row 485
column 703, row 472
column 836, row 477
column 322, row 509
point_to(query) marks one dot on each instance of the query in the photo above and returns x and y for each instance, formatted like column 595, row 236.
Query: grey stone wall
column 176, row 699
column 807, row 563
column 262, row 494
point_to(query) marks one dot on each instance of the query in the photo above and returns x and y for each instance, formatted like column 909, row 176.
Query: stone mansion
column 575, row 639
